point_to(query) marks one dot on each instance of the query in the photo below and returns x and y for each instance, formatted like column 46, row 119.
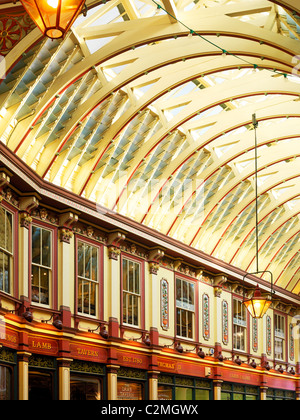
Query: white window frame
column 279, row 336
column 8, row 253
column 41, row 267
column 239, row 326
column 129, row 296
column 185, row 309
column 89, row 281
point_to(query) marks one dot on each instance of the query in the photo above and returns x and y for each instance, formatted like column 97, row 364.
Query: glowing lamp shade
column 53, row 17
column 257, row 305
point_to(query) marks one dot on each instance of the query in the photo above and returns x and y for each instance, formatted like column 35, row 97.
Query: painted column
column 263, row 393
column 113, row 282
column 64, row 378
column 217, row 390
column 66, row 269
column 153, row 385
column 27, row 204
column 23, row 364
column 112, row 382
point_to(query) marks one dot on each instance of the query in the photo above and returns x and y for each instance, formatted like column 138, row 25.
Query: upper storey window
column 131, row 292
column 41, row 265
column 279, row 322
column 6, row 250
column 239, row 325
column 185, row 308
column 87, row 266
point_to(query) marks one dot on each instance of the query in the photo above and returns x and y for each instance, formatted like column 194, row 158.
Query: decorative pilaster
column 66, row 269
column 112, row 382
column 27, row 205
column 263, row 393
column 23, row 363
column 153, row 385
column 64, row 378
column 217, row 390
column 114, row 241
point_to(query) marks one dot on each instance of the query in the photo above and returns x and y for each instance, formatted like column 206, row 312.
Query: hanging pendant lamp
column 53, row 17
column 257, row 305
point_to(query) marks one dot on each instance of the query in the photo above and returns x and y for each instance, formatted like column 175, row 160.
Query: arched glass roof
column 147, row 111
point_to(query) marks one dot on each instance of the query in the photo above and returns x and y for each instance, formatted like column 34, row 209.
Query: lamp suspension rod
column 255, row 124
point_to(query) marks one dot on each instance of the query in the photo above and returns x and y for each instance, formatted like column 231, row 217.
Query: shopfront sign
column 133, row 360
column 90, row 353
column 43, row 346
column 8, row 337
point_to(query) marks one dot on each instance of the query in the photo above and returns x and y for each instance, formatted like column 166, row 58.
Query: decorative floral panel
column 292, row 343
column 164, row 296
column 269, row 335
column 206, row 323
column 255, row 334
column 225, row 322
column 14, row 25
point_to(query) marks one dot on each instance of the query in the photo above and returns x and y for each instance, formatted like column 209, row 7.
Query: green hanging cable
column 223, row 51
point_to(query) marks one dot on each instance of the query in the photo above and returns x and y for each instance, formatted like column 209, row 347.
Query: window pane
column 9, row 231
column 129, row 310
column 35, row 281
column 190, row 325
column 85, row 389
column 6, row 274
column 125, row 275
column 5, row 384
column 178, row 292
column 93, row 299
column 191, row 294
column 36, row 243
column 2, row 228
column 165, row 392
column 225, row 396
column 125, row 307
column 80, row 295
column 178, row 318
column 86, row 295
column 80, row 258
column 202, row 395
column 137, row 278
column 129, row 390
column 94, row 264
column 135, row 305
column 183, row 393
column 88, row 262
column 44, row 286
column 130, row 274
column 40, row 386
column 46, row 248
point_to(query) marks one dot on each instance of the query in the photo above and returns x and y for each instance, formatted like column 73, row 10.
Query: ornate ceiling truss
column 136, row 112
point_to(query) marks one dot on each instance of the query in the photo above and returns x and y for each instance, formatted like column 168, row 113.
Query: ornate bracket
column 155, row 256
column 66, row 221
column 27, row 204
column 218, row 282
column 113, row 243
column 4, row 181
